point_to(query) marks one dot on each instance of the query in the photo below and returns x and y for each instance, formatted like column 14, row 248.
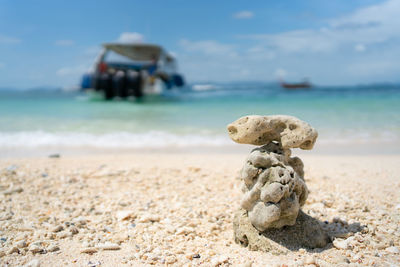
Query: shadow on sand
column 308, row 233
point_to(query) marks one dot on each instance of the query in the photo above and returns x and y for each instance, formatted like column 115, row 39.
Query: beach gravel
column 178, row 209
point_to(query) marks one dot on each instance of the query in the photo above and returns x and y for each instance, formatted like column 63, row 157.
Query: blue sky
column 51, row 43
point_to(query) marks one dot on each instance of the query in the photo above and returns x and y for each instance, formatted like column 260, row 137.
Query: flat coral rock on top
column 289, row 131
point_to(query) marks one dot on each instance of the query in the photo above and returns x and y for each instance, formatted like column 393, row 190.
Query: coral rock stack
column 274, row 188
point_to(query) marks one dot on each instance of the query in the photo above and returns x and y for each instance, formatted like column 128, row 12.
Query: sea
column 359, row 119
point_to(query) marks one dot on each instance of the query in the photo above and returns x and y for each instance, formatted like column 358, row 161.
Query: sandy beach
column 177, row 209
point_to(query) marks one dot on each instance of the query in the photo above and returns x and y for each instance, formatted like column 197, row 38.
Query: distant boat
column 132, row 70
column 293, row 86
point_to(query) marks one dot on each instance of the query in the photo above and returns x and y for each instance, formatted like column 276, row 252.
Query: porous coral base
column 305, row 233
column 274, row 187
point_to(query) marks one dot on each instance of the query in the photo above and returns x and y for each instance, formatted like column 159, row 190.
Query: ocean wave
column 109, row 140
column 159, row 139
column 204, row 87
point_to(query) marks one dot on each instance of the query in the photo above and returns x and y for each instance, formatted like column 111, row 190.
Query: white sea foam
column 159, row 139
column 204, row 87
column 109, row 140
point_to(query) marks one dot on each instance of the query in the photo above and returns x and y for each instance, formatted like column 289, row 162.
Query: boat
column 293, row 86
column 132, row 70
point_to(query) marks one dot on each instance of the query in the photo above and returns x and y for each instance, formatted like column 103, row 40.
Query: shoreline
column 326, row 149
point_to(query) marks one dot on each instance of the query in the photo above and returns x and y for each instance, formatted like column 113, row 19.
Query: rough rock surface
column 273, row 185
column 289, row 131
column 274, row 189
column 305, row 233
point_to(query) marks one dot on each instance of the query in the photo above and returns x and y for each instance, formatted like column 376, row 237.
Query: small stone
column 108, row 246
column 309, row 260
column 12, row 168
column 62, row 235
column 73, row 230
column 53, row 248
column 150, row 218
column 125, row 215
column 33, row 263
column 79, row 221
column 343, row 243
column 89, row 250
column 57, row 229
column 21, row 244
column 393, row 249
column 219, row 260
column 170, row 259
column 184, row 230
column 13, row 190
column 2, row 253
column 13, row 250
column 36, row 249
column 94, row 264
column 196, row 256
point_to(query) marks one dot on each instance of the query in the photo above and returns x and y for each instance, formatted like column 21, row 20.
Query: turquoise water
column 194, row 117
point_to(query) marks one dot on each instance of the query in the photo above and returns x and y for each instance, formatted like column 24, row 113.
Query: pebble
column 79, row 221
column 21, row 244
column 13, row 250
column 150, row 218
column 125, row 214
column 196, row 256
column 57, row 229
column 73, row 230
column 53, row 248
column 309, row 260
column 343, row 243
column 108, row 246
column 94, row 264
column 170, row 259
column 89, row 250
column 12, row 168
column 216, row 261
column 184, row 230
column 247, row 264
column 13, row 190
column 33, row 263
column 393, row 249
column 36, row 249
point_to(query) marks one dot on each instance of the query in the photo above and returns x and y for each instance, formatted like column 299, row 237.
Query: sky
column 53, row 42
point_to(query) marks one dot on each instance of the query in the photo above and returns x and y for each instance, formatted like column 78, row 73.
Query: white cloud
column 360, row 48
column 245, row 14
column 371, row 25
column 8, row 40
column 131, row 37
column 64, row 42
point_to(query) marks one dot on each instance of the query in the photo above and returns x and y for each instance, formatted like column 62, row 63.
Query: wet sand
column 177, row 208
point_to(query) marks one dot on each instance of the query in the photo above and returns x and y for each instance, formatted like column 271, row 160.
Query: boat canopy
column 137, row 52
